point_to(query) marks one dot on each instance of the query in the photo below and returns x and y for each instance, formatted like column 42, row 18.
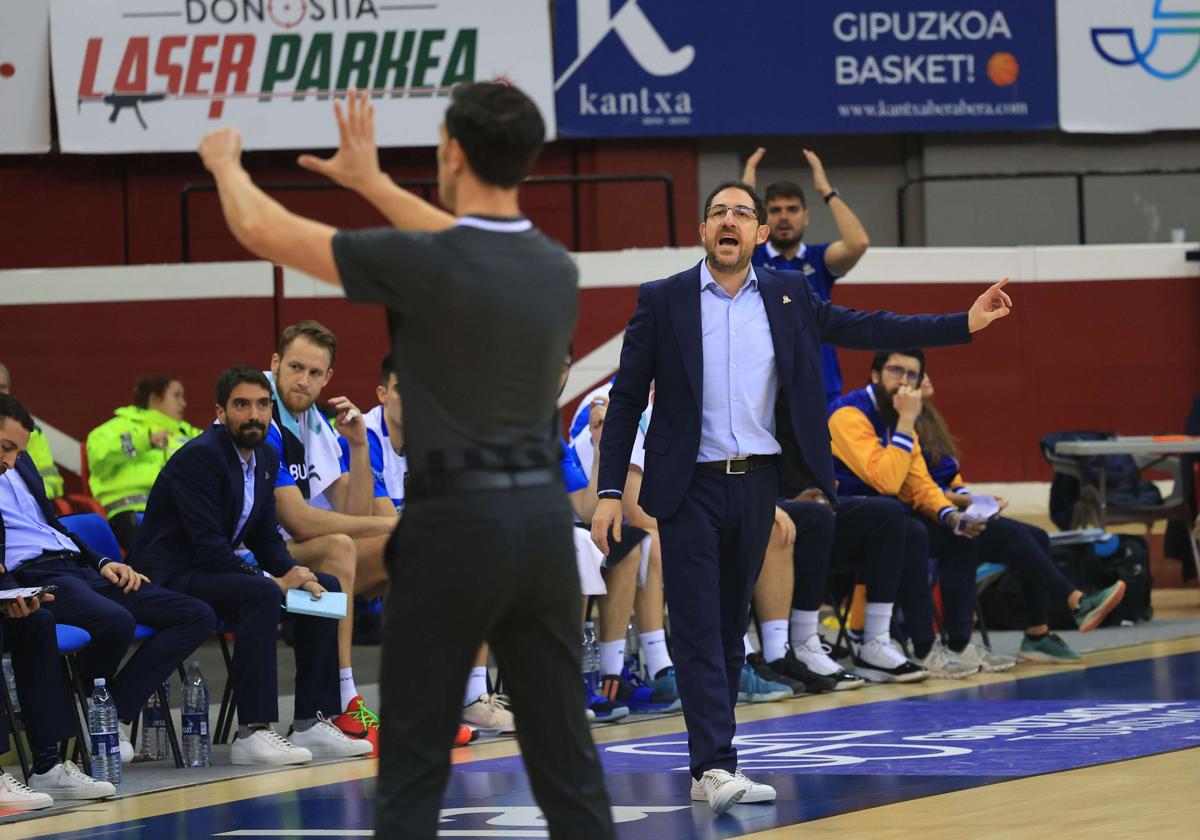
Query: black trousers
column 957, row 558
column 496, row 566
column 45, row 708
column 713, row 548
column 1026, row 550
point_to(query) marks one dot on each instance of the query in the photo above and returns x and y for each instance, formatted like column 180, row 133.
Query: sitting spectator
column 38, row 448
column 103, row 596
column 1021, row 547
column 216, row 494
column 125, row 454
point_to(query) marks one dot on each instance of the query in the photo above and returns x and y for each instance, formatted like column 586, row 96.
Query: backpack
column 1122, row 481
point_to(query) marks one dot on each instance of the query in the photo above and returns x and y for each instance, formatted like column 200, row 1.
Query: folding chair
column 71, row 640
column 141, row 633
column 18, row 746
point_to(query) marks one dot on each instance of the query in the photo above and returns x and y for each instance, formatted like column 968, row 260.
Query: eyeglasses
column 741, row 212
column 912, row 377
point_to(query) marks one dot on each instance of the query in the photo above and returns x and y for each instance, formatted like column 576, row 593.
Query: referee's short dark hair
column 785, row 189
column 237, row 375
column 499, row 128
column 13, row 409
column 387, row 368
column 759, row 207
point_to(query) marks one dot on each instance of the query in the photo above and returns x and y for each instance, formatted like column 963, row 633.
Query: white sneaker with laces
column 266, row 746
column 324, row 740
column 987, row 661
column 756, row 792
column 723, row 789
column 814, row 654
column 16, row 796
column 881, row 660
column 943, row 664
column 66, row 781
column 490, row 713
column 123, row 730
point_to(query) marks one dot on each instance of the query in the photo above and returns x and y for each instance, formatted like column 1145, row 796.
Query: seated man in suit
column 105, row 597
column 215, row 494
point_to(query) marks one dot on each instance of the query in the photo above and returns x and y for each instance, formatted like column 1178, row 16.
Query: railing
column 1078, row 175
column 427, row 185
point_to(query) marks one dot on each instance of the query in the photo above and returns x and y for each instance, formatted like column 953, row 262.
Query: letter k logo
column 639, row 36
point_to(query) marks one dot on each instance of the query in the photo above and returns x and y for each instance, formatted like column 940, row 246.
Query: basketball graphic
column 1002, row 69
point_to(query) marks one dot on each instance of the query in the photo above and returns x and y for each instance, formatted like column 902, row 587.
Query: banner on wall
column 654, row 67
column 155, row 75
column 24, row 76
column 1129, row 65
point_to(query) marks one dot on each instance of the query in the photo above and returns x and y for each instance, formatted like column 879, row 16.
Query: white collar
column 773, row 253
column 494, row 225
column 706, row 277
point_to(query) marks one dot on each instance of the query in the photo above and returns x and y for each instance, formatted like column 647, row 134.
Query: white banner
column 1128, row 65
column 24, row 76
column 155, row 75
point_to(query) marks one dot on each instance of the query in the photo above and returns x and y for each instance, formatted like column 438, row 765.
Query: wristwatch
column 831, row 194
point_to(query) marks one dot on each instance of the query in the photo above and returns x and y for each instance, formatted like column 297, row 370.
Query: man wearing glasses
column 728, row 346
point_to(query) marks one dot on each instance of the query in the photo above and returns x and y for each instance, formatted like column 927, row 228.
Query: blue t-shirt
column 380, row 490
column 284, row 477
column 810, row 261
column 573, row 475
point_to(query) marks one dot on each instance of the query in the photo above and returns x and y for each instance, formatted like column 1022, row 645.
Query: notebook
column 329, row 605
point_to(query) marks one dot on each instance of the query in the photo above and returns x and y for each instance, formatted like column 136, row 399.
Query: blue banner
column 638, row 68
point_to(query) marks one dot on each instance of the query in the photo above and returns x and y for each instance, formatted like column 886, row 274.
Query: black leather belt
column 48, row 556
column 465, row 481
column 740, row 466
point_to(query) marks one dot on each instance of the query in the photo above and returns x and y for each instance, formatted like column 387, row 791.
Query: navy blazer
column 663, row 345
column 28, row 472
column 194, row 506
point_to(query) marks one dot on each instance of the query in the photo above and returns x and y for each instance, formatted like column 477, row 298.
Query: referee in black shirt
column 481, row 307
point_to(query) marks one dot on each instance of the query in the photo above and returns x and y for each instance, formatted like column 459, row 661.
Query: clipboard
column 329, row 605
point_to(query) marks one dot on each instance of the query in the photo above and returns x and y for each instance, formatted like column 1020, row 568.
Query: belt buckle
column 729, row 462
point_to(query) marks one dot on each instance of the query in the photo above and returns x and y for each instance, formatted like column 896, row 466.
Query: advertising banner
column 155, row 75
column 654, row 67
column 1129, row 65
column 24, row 76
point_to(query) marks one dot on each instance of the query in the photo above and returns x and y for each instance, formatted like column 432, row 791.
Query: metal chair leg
column 74, row 687
column 172, row 737
column 26, row 768
column 225, row 716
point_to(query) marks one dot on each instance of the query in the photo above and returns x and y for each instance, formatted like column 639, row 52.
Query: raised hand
column 220, row 148
column 820, row 179
column 989, row 306
column 356, row 161
column 750, row 173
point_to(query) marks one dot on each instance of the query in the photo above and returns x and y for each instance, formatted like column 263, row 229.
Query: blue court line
column 822, row 763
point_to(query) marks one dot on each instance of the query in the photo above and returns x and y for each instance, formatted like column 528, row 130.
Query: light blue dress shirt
column 26, row 533
column 741, row 379
column 247, row 494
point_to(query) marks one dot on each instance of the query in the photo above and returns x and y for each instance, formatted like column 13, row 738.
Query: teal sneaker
column 754, row 689
column 1050, row 649
column 1093, row 608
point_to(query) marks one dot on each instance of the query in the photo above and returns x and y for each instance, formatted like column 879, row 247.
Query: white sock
column 654, row 652
column 774, row 639
column 878, row 620
column 612, row 657
column 346, row 685
column 476, row 685
column 749, row 645
column 803, row 625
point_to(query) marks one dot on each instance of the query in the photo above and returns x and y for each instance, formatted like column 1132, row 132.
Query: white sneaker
column 266, row 746
column 756, row 792
column 123, row 730
column 987, row 661
column 814, row 655
column 66, row 781
column 16, row 796
column 723, row 789
column 490, row 713
column 880, row 660
column 943, row 664
column 324, row 740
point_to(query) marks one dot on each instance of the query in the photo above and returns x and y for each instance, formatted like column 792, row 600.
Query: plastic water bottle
column 154, row 726
column 633, row 653
column 10, row 684
column 106, row 744
column 591, row 657
column 197, row 749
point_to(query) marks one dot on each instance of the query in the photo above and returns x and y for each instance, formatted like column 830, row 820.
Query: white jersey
column 389, row 466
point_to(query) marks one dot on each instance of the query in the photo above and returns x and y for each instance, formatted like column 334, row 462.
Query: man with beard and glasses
column 822, row 263
column 215, row 495
column 727, row 344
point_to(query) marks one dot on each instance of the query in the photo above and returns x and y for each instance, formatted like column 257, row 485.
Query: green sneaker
column 1093, row 608
column 1050, row 649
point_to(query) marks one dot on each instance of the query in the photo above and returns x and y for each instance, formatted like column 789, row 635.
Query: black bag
column 1122, row 479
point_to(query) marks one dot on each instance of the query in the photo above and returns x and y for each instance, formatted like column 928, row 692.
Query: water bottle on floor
column 154, row 726
column 633, row 653
column 10, row 684
column 197, row 749
column 591, row 658
column 106, row 744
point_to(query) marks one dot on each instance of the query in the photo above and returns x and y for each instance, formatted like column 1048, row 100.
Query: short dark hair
column 785, row 189
column 387, row 368
column 237, row 375
column 759, row 207
column 13, row 409
column 153, row 385
column 314, row 331
column 499, row 128
column 880, row 359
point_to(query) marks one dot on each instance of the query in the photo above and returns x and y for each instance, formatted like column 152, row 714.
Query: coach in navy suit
column 214, row 495
column 735, row 355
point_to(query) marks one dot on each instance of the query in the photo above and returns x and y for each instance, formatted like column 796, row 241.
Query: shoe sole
column 8, row 805
column 874, row 675
column 944, row 675
column 73, row 796
column 734, row 799
column 610, row 718
column 1047, row 659
column 1101, row 612
column 271, row 763
column 996, row 669
column 769, row 697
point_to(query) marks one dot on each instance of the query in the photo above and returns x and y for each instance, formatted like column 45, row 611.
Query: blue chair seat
column 72, row 639
column 142, row 632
